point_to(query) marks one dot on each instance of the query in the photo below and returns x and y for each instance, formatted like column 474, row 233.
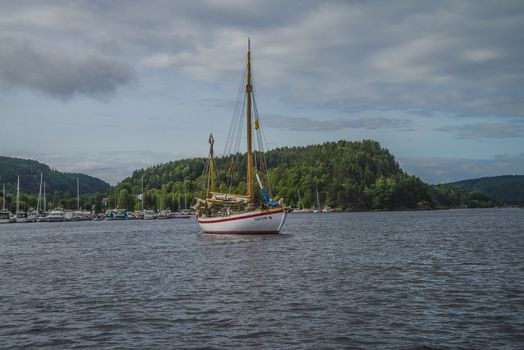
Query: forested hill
column 348, row 175
column 507, row 189
column 29, row 172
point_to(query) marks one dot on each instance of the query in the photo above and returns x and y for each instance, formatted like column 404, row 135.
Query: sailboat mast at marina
column 39, row 194
column 21, row 216
column 5, row 215
column 77, row 195
column 45, row 201
column 229, row 212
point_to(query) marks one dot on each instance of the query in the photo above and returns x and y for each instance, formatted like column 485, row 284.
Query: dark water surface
column 390, row 280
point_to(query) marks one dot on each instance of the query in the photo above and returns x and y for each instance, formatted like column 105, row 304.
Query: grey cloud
column 443, row 170
column 22, row 65
column 486, row 130
column 306, row 124
column 464, row 58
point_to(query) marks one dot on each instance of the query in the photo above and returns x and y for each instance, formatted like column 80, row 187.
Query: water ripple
column 396, row 280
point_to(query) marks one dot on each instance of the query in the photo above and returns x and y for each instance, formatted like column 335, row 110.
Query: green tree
column 124, row 200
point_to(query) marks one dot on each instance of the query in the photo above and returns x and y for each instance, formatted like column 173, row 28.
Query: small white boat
column 165, row 214
column 183, row 214
column 20, row 215
column 32, row 215
column 56, row 215
column 149, row 215
column 301, row 211
column 5, row 215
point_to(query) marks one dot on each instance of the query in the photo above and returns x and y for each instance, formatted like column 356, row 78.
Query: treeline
column 506, row 189
column 95, row 201
column 347, row 175
column 29, row 172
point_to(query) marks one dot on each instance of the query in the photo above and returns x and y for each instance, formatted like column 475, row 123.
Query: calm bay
column 384, row 280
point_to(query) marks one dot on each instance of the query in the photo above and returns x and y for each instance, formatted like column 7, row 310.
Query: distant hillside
column 29, row 172
column 507, row 189
column 358, row 175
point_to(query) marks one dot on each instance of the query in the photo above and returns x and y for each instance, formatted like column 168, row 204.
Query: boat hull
column 252, row 222
column 55, row 219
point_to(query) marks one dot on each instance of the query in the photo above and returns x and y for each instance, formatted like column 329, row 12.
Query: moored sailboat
column 5, row 215
column 21, row 215
column 228, row 212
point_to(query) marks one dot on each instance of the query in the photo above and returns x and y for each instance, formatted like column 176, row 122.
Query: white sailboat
column 182, row 213
column 34, row 214
column 79, row 214
column 56, row 215
column 147, row 214
column 5, row 215
column 21, row 216
column 45, row 213
column 239, row 213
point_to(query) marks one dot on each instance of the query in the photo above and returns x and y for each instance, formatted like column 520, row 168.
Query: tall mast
column 45, row 202
column 211, row 165
column 77, row 194
column 39, row 195
column 142, row 192
column 249, row 90
column 18, row 195
column 3, row 202
column 185, row 197
column 318, row 200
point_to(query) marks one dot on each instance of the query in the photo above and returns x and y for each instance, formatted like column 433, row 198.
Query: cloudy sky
column 106, row 87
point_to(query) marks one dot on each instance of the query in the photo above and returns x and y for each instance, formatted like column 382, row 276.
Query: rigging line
column 263, row 141
column 238, row 154
column 233, row 131
column 235, row 151
column 236, row 113
column 227, row 145
column 263, row 163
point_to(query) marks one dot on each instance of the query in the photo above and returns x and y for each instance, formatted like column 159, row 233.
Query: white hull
column 181, row 216
column 256, row 221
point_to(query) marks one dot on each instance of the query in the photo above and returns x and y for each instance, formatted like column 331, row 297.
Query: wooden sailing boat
column 239, row 213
